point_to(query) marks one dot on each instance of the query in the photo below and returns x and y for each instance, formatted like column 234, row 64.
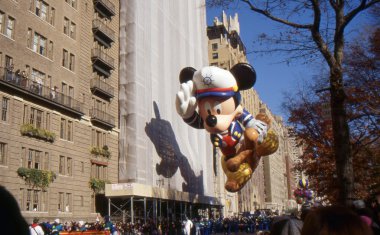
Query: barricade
column 94, row 232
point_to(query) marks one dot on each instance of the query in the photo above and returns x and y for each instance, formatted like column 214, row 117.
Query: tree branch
column 315, row 32
column 333, row 4
column 363, row 5
column 267, row 14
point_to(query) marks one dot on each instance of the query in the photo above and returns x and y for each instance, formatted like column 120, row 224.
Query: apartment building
column 58, row 90
column 275, row 178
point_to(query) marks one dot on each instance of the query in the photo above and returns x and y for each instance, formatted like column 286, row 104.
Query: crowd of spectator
column 262, row 222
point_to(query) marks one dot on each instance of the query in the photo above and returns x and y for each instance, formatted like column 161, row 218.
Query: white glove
column 185, row 102
column 261, row 127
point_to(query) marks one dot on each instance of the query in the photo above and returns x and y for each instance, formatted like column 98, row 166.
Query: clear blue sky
column 273, row 78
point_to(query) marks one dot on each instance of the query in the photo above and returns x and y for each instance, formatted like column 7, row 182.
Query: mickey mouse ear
column 186, row 74
column 245, row 75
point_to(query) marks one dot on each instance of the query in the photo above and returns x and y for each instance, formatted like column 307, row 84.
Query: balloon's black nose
column 211, row 120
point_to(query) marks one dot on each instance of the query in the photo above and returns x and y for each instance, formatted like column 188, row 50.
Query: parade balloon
column 210, row 99
column 303, row 183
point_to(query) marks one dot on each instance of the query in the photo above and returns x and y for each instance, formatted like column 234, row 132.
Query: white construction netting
column 157, row 40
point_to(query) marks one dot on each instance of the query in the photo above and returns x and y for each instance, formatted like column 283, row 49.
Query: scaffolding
column 132, row 202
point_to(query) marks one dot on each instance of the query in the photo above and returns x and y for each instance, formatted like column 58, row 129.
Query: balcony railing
column 102, row 61
column 102, row 32
column 102, row 117
column 39, row 91
column 100, row 87
column 105, row 7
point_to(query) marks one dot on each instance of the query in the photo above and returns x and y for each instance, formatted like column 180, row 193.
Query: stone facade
column 68, row 51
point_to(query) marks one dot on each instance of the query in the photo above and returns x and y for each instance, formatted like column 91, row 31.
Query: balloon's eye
column 208, row 108
column 218, row 107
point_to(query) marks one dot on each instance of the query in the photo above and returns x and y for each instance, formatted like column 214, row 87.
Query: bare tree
column 325, row 34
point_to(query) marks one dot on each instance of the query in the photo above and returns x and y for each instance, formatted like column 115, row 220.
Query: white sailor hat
column 214, row 81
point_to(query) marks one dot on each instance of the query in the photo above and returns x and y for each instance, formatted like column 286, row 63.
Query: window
column 61, row 200
column 39, row 119
column 38, row 76
column 215, row 55
column 71, row 91
column 72, row 30
column 215, row 46
column 3, row 152
column 69, row 27
column 50, row 50
column 68, row 62
column 66, row 24
column 52, row 16
column 64, row 202
column 38, row 7
column 64, row 88
column 72, row 62
column 61, row 165
column 63, row 130
column 47, row 125
column 8, row 61
column 68, row 202
column 98, row 171
column 35, row 117
column 46, row 161
column 33, row 200
column 65, row 58
column 99, row 139
column 34, row 159
column 66, row 129
column 10, row 27
column 82, row 167
column 39, row 44
column 7, row 25
column 72, row 3
column 81, row 201
column 2, row 15
column 29, row 38
column 65, row 166
column 69, row 166
column 69, row 130
column 42, row 10
column 4, row 109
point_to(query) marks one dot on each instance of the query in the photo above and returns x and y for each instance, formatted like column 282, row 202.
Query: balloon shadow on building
column 161, row 134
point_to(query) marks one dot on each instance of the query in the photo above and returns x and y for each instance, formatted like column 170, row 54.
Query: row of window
column 37, row 75
column 36, row 159
column 41, row 119
column 41, row 45
column 37, row 200
column 47, row 13
column 42, row 10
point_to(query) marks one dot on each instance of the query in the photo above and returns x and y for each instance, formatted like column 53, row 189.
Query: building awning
column 141, row 190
